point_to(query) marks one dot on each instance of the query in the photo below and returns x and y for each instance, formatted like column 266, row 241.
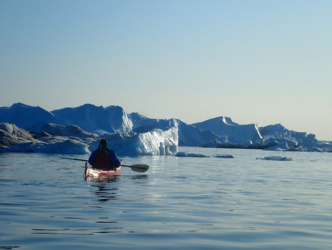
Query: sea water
column 179, row 203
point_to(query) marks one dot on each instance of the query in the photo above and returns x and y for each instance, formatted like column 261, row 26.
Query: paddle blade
column 139, row 167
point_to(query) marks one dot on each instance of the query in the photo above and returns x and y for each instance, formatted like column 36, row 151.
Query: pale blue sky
column 264, row 61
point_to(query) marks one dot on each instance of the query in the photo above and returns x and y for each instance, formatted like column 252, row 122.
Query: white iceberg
column 231, row 131
column 277, row 137
column 85, row 123
column 155, row 142
column 95, row 119
column 72, row 140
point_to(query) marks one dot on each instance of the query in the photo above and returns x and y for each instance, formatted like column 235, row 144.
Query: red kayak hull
column 98, row 174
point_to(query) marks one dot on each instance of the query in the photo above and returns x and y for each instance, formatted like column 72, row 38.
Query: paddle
column 136, row 167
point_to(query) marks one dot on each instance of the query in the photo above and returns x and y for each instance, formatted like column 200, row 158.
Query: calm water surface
column 181, row 203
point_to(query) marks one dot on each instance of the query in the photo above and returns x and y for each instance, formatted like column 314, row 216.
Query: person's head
column 102, row 144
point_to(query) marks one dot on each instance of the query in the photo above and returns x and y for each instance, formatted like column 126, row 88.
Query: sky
column 256, row 61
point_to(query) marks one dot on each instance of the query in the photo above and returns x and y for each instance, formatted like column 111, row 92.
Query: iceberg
column 88, row 117
column 15, row 139
column 95, row 119
column 26, row 117
column 71, row 139
column 69, row 131
column 155, row 142
column 277, row 137
column 87, row 123
column 54, row 146
column 283, row 146
column 231, row 131
column 189, row 135
column 142, row 123
column 10, row 135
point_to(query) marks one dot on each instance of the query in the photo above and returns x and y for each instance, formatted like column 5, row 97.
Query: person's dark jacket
column 104, row 159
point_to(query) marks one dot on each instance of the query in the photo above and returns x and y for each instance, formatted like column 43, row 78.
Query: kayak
column 99, row 174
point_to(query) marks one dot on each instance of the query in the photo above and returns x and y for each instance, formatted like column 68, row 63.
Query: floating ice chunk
column 275, row 158
column 224, row 156
column 184, row 154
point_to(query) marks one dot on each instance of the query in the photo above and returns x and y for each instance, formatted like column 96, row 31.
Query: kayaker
column 104, row 158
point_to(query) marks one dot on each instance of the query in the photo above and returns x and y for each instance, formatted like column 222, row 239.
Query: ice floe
column 275, row 158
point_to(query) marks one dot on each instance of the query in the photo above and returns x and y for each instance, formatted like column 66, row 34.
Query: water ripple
column 179, row 203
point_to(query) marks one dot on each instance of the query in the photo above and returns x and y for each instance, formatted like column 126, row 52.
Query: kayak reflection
column 105, row 192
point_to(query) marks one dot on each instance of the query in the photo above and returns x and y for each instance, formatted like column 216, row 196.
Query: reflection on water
column 139, row 179
column 105, row 192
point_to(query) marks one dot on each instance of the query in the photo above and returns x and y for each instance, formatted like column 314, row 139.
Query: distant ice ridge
column 136, row 134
